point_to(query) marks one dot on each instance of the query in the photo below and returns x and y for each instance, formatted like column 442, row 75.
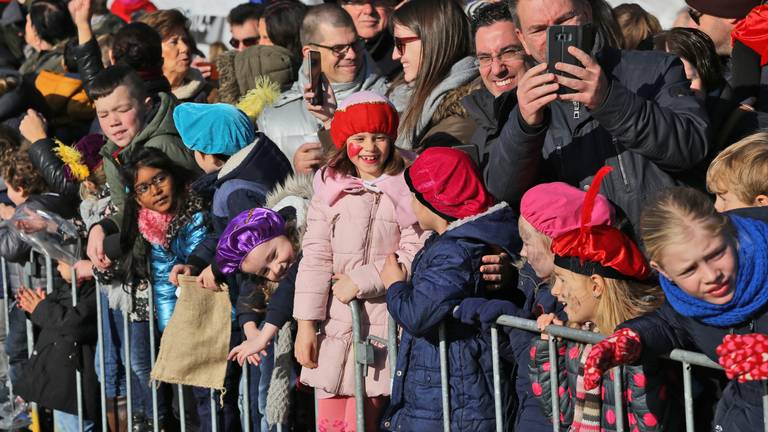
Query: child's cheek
column 353, row 149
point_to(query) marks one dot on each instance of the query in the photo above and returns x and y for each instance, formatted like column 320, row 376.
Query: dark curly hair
column 18, row 172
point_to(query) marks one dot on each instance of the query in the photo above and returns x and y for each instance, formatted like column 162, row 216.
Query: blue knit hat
column 213, row 128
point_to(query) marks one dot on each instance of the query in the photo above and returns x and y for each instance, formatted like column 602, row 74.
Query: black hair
column 106, row 81
column 283, row 21
column 148, row 157
column 697, row 48
column 70, row 63
column 51, row 20
column 241, row 13
column 139, row 46
column 489, row 14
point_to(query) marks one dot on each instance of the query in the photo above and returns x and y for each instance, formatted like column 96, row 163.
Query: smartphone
column 559, row 39
column 314, row 77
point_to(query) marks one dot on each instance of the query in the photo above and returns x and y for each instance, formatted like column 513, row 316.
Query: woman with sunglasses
column 433, row 43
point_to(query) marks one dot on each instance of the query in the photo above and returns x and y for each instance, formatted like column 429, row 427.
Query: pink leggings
column 337, row 414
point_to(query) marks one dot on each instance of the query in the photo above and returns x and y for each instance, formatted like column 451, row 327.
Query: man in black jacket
column 632, row 110
column 499, row 58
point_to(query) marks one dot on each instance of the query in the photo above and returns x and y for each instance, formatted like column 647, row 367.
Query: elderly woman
column 178, row 47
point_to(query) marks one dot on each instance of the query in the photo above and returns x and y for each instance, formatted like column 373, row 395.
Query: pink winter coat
column 351, row 228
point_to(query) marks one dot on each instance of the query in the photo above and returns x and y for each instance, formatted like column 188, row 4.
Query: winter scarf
column 160, row 228
column 461, row 73
column 366, row 79
column 751, row 293
column 588, row 403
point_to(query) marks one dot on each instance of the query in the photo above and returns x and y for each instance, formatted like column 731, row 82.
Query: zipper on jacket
column 333, row 224
column 368, row 234
column 621, row 165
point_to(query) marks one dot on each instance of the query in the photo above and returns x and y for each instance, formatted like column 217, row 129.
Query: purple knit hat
column 243, row 233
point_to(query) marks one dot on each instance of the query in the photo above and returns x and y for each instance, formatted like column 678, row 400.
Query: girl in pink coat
column 360, row 213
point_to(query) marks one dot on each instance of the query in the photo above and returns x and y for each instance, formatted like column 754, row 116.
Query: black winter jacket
column 650, row 128
column 52, row 169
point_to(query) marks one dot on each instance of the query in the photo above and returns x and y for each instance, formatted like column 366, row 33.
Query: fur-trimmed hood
column 292, row 198
column 495, row 226
column 194, row 83
column 451, row 105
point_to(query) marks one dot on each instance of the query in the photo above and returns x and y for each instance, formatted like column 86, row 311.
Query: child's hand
column 622, row 347
column 179, row 269
column 80, row 11
column 305, row 348
column 344, row 288
column 208, row 280
column 84, row 270
column 544, row 320
column 6, row 211
column 744, row 357
column 95, row 249
column 392, row 271
column 29, row 299
column 32, row 126
column 251, row 349
column 496, row 269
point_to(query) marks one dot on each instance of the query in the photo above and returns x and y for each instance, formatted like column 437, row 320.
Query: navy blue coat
column 444, row 272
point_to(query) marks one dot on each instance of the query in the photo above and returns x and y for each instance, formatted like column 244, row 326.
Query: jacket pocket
column 331, row 362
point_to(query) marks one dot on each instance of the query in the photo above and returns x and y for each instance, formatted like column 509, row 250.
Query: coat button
column 34, row 352
column 399, row 373
column 386, row 424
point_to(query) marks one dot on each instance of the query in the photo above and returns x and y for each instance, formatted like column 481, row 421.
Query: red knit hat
column 448, row 183
column 363, row 111
column 602, row 250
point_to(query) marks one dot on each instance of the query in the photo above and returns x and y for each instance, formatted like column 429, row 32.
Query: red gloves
column 622, row 347
column 744, row 357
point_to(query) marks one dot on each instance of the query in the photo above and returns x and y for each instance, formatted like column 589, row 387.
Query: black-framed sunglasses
column 400, row 43
column 341, row 50
column 250, row 41
column 695, row 15
column 156, row 181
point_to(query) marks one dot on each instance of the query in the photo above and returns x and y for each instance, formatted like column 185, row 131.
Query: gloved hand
column 472, row 310
column 622, row 347
column 744, row 357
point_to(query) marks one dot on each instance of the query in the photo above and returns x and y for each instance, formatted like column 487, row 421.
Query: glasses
column 506, row 57
column 157, row 181
column 341, row 50
column 250, row 41
column 400, row 43
column 695, row 15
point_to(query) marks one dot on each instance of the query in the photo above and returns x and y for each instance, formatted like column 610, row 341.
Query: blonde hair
column 673, row 215
column 623, row 300
column 741, row 168
column 636, row 24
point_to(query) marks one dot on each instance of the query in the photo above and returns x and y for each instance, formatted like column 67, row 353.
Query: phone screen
column 314, row 77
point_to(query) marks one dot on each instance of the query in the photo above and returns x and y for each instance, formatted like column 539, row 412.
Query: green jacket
column 160, row 132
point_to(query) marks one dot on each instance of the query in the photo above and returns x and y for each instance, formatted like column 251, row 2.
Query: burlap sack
column 195, row 343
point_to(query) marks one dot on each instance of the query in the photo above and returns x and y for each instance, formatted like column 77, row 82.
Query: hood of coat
column 291, row 199
column 193, row 84
column 496, row 226
column 259, row 162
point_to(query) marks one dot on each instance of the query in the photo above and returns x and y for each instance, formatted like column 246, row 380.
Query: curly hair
column 18, row 172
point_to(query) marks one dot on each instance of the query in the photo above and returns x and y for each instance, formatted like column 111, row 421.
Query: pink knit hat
column 555, row 208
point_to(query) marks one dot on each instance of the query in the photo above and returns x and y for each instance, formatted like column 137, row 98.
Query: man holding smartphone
column 632, row 110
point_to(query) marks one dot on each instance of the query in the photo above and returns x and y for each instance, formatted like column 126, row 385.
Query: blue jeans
column 66, row 422
column 114, row 352
column 16, row 342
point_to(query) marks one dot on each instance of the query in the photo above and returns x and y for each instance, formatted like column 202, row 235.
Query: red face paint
column 353, row 149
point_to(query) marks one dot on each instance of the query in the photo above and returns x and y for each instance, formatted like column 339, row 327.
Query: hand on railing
column 344, row 288
column 622, row 347
column 744, row 357
column 480, row 310
column 545, row 320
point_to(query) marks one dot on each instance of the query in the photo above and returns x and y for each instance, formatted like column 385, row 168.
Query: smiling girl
column 360, row 213
column 712, row 269
column 600, row 278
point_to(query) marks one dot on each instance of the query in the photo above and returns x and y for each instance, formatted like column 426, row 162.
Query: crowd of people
column 439, row 169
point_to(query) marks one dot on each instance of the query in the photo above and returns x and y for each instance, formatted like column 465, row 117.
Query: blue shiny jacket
column 162, row 261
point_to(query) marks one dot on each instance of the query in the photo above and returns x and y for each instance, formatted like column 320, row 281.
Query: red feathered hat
column 363, row 111
column 602, row 250
column 448, row 182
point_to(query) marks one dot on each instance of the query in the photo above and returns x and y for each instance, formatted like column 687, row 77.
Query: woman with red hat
column 360, row 213
column 600, row 276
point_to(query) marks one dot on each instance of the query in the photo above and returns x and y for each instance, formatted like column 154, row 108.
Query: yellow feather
column 263, row 95
column 73, row 159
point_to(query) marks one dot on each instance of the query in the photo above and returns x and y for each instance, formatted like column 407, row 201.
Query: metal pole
column 246, row 398
column 27, row 280
column 182, row 411
column 765, row 405
column 553, row 384
column 688, row 397
column 78, row 374
column 48, row 275
column 392, row 344
column 214, row 414
column 443, row 347
column 8, row 292
column 152, row 359
column 617, row 393
column 102, row 370
column 359, row 378
column 496, row 377
column 128, row 386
